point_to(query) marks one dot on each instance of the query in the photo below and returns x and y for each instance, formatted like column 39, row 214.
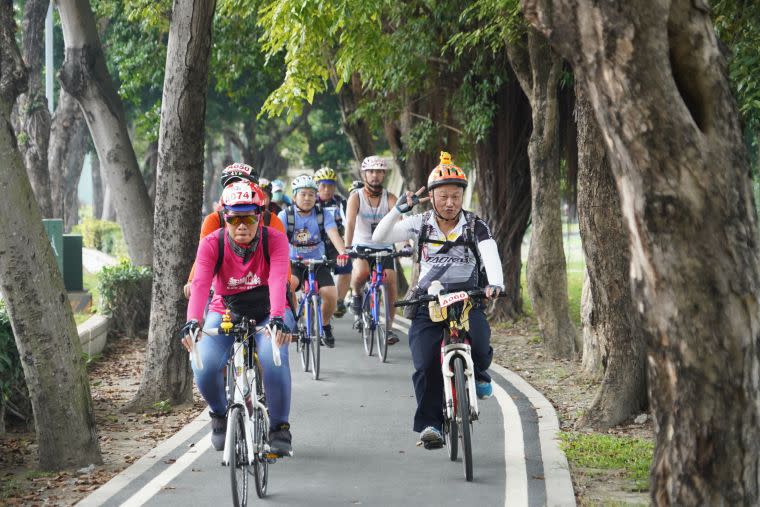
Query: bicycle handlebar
column 377, row 254
column 425, row 298
column 324, row 261
column 240, row 328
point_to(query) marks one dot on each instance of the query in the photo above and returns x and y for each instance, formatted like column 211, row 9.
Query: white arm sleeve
column 489, row 253
column 392, row 230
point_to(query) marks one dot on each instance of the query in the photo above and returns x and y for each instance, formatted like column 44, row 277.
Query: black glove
column 277, row 324
column 403, row 206
column 189, row 327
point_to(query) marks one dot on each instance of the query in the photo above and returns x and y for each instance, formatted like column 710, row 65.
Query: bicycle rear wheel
column 239, row 462
column 316, row 338
column 367, row 335
column 381, row 332
column 260, row 462
column 463, row 415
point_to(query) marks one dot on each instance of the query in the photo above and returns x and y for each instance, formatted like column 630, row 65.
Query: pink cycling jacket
column 235, row 276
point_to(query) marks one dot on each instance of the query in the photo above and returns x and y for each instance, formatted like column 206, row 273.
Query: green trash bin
column 72, row 262
column 54, row 230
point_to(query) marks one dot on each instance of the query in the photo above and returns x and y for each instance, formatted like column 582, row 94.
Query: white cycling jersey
column 367, row 219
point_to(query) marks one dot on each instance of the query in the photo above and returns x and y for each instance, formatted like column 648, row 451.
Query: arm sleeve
column 205, row 261
column 210, row 224
column 329, row 220
column 391, row 230
column 278, row 273
column 489, row 252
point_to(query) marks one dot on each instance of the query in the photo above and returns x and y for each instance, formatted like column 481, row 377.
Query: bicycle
column 460, row 408
column 309, row 316
column 374, row 299
column 247, row 433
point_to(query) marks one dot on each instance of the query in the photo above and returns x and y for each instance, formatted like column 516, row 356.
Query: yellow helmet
column 325, row 174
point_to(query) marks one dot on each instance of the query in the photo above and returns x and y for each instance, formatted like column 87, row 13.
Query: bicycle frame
column 455, row 343
column 377, row 277
column 241, row 363
column 311, row 291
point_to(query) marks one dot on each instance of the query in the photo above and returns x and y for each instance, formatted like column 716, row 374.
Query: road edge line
column 515, row 488
column 559, row 484
column 150, row 458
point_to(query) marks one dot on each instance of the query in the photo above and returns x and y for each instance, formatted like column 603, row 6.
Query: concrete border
column 93, row 333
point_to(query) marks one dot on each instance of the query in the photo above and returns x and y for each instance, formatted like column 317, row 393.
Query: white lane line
column 559, row 485
column 149, row 490
column 117, row 483
column 516, row 485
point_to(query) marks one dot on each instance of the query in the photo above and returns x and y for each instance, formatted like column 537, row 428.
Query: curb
column 92, row 334
column 150, row 458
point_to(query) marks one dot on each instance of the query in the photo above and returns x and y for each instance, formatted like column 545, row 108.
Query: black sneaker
column 218, row 430
column 356, row 306
column 280, row 440
column 340, row 311
column 328, row 339
column 391, row 338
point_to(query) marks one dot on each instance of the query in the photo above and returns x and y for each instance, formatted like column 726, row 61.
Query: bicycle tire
column 316, row 338
column 368, row 337
column 239, row 462
column 381, row 331
column 303, row 341
column 261, row 463
column 463, row 416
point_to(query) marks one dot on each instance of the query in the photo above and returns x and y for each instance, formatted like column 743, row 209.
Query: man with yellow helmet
column 334, row 203
column 455, row 248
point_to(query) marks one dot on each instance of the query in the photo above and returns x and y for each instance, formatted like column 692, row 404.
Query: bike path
column 353, row 445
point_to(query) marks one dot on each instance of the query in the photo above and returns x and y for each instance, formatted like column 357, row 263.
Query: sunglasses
column 241, row 219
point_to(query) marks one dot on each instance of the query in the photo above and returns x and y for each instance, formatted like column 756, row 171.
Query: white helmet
column 303, row 181
column 374, row 163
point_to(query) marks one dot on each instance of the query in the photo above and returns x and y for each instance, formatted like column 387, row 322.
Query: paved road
column 354, row 446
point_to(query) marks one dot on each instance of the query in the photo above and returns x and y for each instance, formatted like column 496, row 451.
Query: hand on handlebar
column 282, row 334
column 342, row 259
column 187, row 332
column 493, row 291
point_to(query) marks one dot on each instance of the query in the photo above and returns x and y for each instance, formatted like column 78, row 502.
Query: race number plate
column 450, row 299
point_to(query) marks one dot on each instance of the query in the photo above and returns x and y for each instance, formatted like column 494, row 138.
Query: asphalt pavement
column 353, row 445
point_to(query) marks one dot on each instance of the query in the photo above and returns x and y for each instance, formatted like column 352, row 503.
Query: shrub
column 14, row 397
column 102, row 235
column 125, row 295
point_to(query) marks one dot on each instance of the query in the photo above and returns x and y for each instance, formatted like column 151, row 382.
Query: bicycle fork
column 448, row 353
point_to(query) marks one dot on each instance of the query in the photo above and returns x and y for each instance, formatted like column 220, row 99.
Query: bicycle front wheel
column 303, row 341
column 368, row 335
column 316, row 338
column 261, row 462
column 382, row 325
column 463, row 415
column 239, row 462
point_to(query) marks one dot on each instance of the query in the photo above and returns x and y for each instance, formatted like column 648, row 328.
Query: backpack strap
column 220, row 253
column 267, row 218
column 290, row 219
column 424, row 234
column 321, row 224
column 265, row 243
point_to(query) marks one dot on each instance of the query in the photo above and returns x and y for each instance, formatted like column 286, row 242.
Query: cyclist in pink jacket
column 248, row 266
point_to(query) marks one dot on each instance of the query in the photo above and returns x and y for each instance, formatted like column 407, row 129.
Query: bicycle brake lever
column 195, row 355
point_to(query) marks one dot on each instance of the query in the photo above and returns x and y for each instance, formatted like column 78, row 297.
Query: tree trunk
column 150, row 165
column 356, row 129
column 592, row 360
column 33, row 119
column 85, row 76
column 167, row 374
column 657, row 81
column 538, row 73
column 68, row 144
column 98, row 189
column 32, row 287
column 503, row 187
column 623, row 392
column 210, row 190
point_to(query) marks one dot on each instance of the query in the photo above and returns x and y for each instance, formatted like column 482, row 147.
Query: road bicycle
column 309, row 316
column 246, row 445
column 374, row 322
column 460, row 408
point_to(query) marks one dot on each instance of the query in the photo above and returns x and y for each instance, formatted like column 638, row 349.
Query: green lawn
column 90, row 282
